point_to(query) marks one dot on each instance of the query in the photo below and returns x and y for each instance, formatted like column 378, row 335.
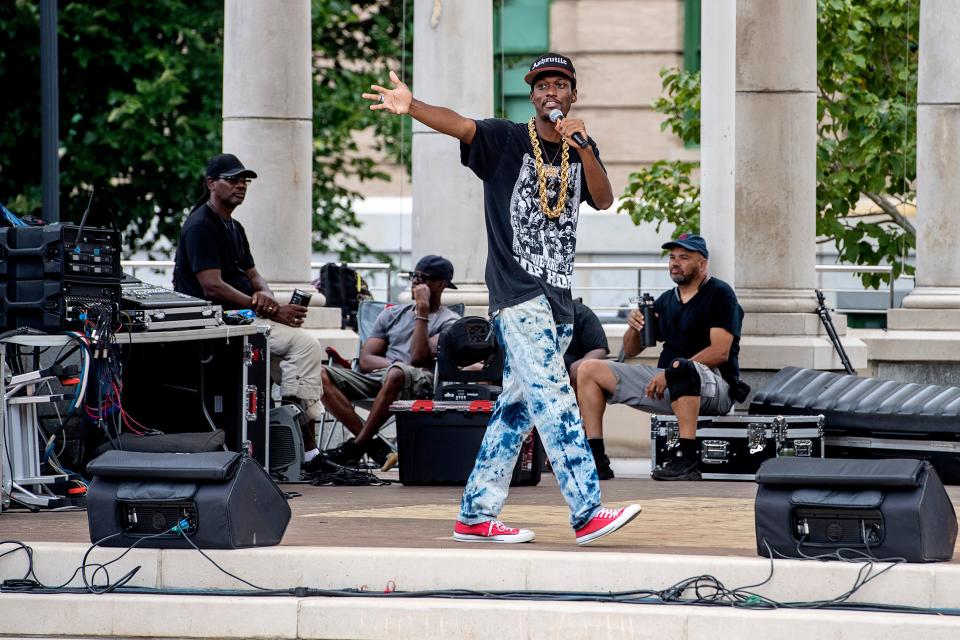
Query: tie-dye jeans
column 536, row 392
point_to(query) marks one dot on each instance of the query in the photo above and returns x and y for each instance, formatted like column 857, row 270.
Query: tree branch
column 890, row 210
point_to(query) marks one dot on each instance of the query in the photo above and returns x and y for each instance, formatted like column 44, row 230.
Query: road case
column 734, row 447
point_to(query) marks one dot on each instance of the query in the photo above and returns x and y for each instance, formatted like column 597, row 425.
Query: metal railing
column 639, row 267
column 850, row 268
column 131, row 266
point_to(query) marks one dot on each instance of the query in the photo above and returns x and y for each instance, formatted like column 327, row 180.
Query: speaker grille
column 283, row 452
column 838, row 527
column 149, row 518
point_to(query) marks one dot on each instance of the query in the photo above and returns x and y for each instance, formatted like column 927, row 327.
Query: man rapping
column 535, row 175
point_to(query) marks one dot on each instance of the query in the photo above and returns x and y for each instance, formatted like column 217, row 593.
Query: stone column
column 717, row 150
column 453, row 67
column 775, row 173
column 776, row 105
column 922, row 341
column 937, row 291
column 268, row 124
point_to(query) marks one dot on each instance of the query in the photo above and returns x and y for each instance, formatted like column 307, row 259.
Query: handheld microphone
column 556, row 116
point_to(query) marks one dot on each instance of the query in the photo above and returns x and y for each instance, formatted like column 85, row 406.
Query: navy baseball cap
column 227, row 165
column 551, row 63
column 688, row 241
column 438, row 267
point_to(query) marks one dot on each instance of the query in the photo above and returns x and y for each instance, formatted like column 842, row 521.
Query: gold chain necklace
column 555, row 212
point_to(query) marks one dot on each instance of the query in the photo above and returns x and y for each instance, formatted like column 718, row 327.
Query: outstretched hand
column 396, row 100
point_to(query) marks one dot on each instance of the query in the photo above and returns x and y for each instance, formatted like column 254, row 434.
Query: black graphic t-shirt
column 528, row 254
column 684, row 329
column 207, row 241
column 588, row 334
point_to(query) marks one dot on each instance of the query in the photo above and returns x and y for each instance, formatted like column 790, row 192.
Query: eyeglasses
column 420, row 276
column 235, row 180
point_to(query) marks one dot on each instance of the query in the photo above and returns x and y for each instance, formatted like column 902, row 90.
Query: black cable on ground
column 333, row 474
column 706, row 589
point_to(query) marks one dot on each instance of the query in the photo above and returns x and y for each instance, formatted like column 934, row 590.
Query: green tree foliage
column 140, row 108
column 140, row 95
column 665, row 191
column 355, row 44
column 866, row 124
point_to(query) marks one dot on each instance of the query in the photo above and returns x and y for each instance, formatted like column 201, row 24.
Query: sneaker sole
column 522, row 537
column 629, row 513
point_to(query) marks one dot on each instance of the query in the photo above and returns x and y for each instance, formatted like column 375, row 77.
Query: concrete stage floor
column 687, row 518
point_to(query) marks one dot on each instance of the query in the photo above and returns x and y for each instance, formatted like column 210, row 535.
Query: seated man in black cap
column 396, row 363
column 699, row 324
column 214, row 262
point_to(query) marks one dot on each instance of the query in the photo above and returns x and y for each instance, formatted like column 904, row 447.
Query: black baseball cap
column 551, row 63
column 438, row 267
column 690, row 242
column 227, row 165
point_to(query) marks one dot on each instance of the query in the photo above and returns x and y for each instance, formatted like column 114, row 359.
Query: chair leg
column 327, row 427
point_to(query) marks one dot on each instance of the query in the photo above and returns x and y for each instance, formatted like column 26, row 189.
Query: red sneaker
column 606, row 521
column 490, row 531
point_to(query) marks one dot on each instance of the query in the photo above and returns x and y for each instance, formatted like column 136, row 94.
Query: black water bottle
column 300, row 297
column 645, row 304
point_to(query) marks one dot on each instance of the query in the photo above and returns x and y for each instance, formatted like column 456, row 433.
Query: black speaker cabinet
column 220, row 500
column 884, row 508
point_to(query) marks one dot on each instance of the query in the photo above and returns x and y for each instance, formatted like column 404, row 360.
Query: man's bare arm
column 400, row 100
column 597, row 181
column 719, row 350
column 219, row 292
column 632, row 338
column 371, row 355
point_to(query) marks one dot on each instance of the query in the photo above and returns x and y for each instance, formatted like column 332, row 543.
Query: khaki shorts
column 632, row 381
column 417, row 384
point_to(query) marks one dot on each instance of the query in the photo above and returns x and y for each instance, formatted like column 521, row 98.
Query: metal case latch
column 714, row 451
column 756, row 437
column 803, row 448
column 673, row 435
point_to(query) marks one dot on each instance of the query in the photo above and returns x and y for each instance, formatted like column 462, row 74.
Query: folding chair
column 367, row 315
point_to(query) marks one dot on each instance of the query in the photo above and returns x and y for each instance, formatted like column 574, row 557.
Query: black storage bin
column 438, row 443
column 885, row 508
column 227, row 501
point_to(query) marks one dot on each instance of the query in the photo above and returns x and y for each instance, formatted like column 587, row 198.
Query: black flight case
column 733, row 447
column 872, row 418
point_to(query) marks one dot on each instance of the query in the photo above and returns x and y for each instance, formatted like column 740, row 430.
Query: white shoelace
column 496, row 524
column 607, row 512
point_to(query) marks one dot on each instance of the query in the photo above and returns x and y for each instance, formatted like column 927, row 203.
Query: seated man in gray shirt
column 396, row 362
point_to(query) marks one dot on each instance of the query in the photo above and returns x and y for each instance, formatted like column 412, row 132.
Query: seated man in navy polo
column 699, row 324
column 396, row 363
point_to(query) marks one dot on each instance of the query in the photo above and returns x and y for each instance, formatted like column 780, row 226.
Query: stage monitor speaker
column 219, row 500
column 286, row 443
column 882, row 508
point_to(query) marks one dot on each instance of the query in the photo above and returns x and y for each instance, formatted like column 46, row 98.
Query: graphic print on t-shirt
column 545, row 247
